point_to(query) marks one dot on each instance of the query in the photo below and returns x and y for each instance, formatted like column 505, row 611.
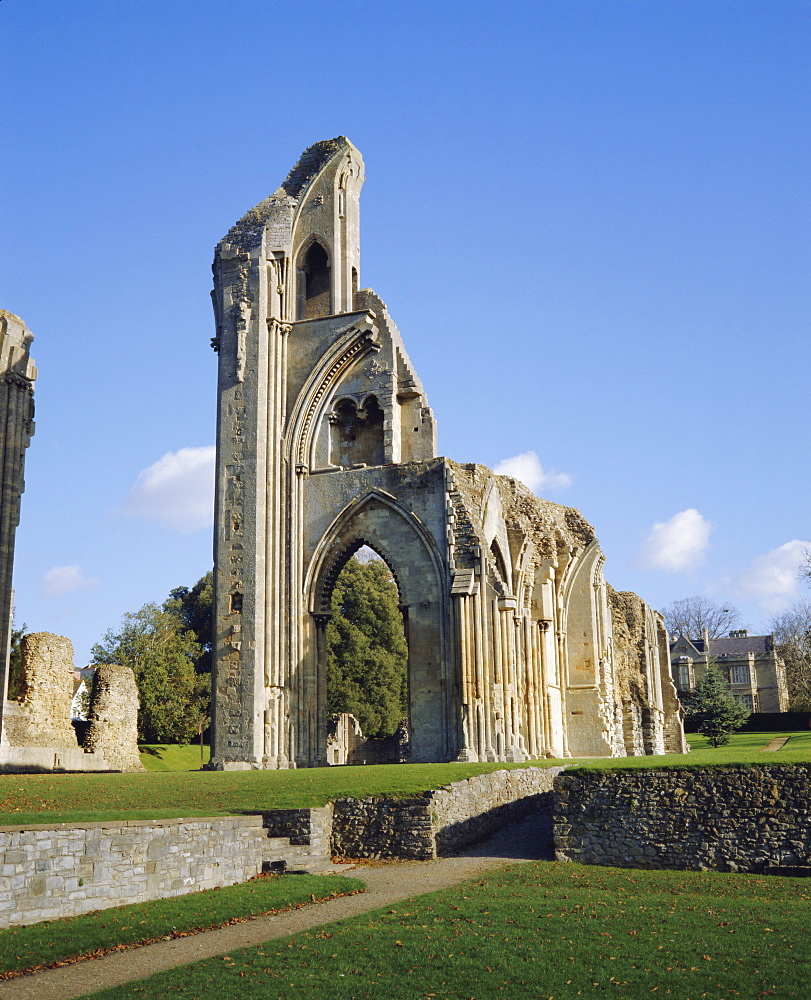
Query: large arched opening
column 367, row 665
column 377, row 522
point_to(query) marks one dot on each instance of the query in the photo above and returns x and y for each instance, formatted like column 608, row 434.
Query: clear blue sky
column 589, row 219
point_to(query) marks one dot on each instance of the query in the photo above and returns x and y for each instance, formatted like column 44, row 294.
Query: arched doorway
column 367, row 665
column 377, row 521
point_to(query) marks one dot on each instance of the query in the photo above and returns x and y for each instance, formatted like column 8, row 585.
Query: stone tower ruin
column 325, row 443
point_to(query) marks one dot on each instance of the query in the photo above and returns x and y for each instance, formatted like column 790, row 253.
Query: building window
column 746, row 700
column 682, row 678
column 739, row 674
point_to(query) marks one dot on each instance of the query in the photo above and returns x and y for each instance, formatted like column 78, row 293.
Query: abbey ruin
column 517, row 646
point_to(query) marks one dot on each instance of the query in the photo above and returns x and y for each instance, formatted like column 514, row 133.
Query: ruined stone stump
column 43, row 718
column 113, row 717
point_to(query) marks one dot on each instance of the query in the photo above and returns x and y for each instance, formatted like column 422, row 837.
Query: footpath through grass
column 26, row 799
column 541, row 930
column 57, row 942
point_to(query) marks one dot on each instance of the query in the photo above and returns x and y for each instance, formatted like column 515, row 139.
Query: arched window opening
column 367, row 665
column 315, row 297
column 356, row 434
column 501, row 566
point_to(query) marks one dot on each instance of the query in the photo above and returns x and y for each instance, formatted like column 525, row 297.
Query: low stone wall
column 739, row 819
column 440, row 821
column 50, row 872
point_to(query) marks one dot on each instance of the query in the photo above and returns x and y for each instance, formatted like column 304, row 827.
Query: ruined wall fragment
column 113, row 717
column 43, row 718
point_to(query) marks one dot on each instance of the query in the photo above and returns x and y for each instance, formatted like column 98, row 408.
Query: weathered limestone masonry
column 113, row 717
column 61, row 872
column 16, row 429
column 739, row 819
column 325, row 443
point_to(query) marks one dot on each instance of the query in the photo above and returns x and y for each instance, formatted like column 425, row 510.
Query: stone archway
column 379, row 522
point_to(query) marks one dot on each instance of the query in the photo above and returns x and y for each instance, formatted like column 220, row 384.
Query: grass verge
column 59, row 942
column 26, row 799
column 540, row 930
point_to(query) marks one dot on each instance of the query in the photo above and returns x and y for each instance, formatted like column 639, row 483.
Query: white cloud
column 677, row 544
column 62, row 580
column 527, row 467
column 177, row 491
column 773, row 579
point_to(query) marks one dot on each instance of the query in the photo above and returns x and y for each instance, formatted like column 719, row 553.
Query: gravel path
column 386, row 884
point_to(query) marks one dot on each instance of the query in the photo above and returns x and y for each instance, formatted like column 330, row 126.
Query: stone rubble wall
column 737, row 819
column 43, row 719
column 467, row 811
column 113, row 718
column 50, row 872
column 440, row 821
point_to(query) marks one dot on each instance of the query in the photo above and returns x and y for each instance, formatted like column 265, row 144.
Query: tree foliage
column 792, row 641
column 194, row 607
column 691, row 615
column 713, row 708
column 367, row 655
column 15, row 662
column 162, row 654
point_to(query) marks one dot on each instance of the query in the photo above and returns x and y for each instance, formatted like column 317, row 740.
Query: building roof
column 740, row 645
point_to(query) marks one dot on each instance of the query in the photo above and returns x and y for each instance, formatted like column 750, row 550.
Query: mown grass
column 81, row 798
column 743, row 748
column 78, row 798
column 540, row 930
column 59, row 941
column 172, row 756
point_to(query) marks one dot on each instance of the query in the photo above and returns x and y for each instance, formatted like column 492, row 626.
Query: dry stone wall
column 738, row 819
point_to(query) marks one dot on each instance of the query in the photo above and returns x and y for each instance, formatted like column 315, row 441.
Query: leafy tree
column 792, row 641
column 162, row 654
column 15, row 662
column 691, row 615
column 195, row 608
column 367, row 655
column 713, row 708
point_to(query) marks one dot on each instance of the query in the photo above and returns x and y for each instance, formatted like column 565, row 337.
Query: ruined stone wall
column 43, row 719
column 113, row 718
column 738, row 819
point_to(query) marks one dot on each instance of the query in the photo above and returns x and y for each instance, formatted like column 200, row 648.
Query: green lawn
column 78, row 798
column 172, row 757
column 56, row 941
column 541, row 930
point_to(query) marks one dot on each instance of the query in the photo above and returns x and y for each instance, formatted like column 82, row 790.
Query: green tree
column 162, row 654
column 713, row 708
column 195, row 608
column 15, row 662
column 367, row 655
